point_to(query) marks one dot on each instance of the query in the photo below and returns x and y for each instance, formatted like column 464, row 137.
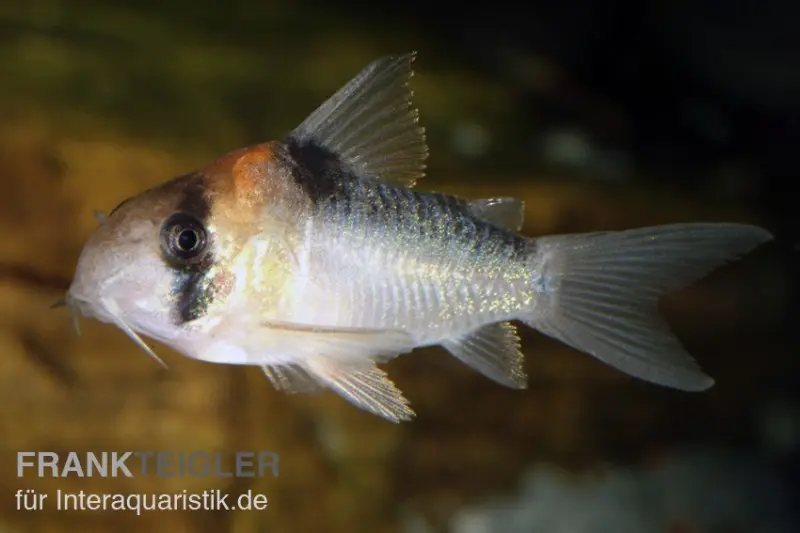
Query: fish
column 318, row 259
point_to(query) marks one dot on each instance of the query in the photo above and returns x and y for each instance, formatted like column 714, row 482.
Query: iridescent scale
column 398, row 259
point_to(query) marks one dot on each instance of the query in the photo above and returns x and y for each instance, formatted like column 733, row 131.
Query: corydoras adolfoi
column 313, row 258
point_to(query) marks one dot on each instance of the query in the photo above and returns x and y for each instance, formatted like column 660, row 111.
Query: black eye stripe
column 193, row 286
column 195, row 201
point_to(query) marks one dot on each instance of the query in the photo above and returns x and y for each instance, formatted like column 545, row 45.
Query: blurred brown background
column 600, row 115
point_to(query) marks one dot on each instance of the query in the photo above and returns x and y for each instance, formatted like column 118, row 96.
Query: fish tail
column 599, row 292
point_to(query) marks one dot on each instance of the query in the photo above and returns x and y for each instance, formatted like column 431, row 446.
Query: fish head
column 168, row 262
column 135, row 265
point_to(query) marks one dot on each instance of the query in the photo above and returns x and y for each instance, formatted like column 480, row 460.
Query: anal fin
column 494, row 351
column 364, row 385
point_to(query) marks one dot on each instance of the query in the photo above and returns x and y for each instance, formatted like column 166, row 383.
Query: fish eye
column 184, row 237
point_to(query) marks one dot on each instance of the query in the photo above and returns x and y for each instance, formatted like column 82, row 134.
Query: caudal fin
column 599, row 292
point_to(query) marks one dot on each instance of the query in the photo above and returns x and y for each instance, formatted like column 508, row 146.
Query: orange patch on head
column 244, row 184
column 240, row 179
column 249, row 170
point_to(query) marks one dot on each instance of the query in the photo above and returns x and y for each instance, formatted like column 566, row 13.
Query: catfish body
column 314, row 258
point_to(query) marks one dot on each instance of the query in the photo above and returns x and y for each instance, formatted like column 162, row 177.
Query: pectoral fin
column 303, row 358
column 291, row 379
column 364, row 385
column 342, row 343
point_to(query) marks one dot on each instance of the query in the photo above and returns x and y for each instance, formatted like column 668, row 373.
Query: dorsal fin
column 371, row 125
column 505, row 212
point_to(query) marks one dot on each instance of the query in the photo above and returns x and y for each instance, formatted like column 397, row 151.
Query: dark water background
column 600, row 114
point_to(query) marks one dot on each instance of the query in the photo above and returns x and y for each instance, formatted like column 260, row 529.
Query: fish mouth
column 117, row 320
column 111, row 313
column 70, row 303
